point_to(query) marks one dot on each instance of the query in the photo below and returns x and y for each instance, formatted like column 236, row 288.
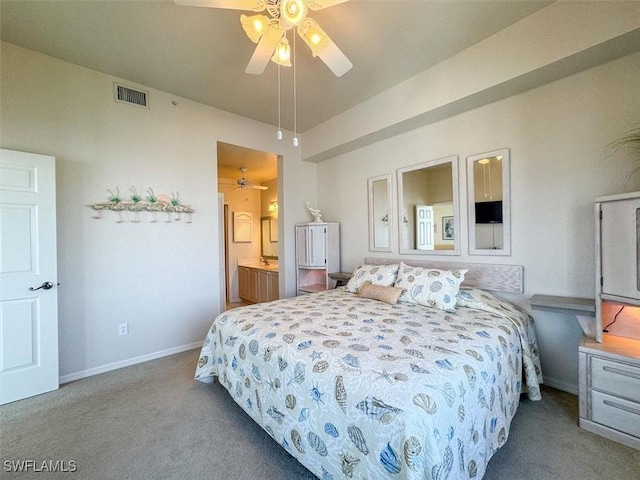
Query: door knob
column 44, row 286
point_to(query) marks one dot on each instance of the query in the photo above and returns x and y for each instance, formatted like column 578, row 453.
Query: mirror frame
column 270, row 223
column 390, row 213
column 453, row 159
column 506, row 203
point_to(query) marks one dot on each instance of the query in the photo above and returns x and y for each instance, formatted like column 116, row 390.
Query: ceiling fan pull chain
column 295, row 103
column 279, row 134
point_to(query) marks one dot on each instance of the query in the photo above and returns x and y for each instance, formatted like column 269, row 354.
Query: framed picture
column 447, row 228
column 242, row 226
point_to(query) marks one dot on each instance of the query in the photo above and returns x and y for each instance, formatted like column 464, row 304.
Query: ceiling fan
column 270, row 32
column 243, row 183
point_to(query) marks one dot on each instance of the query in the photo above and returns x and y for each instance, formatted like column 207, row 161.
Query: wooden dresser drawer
column 616, row 378
column 616, row 413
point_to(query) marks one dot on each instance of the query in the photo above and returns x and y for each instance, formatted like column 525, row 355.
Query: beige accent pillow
column 380, row 292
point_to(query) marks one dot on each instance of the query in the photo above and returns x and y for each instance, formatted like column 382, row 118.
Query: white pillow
column 384, row 275
column 430, row 287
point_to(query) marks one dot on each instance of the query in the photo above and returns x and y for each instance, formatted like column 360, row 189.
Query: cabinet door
column 272, row 284
column 620, row 229
column 263, row 286
column 317, row 246
column 253, row 285
column 302, row 245
column 243, row 282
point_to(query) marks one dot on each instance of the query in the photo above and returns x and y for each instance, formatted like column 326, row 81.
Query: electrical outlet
column 123, row 329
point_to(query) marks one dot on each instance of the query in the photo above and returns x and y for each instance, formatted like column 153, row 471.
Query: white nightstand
column 610, row 388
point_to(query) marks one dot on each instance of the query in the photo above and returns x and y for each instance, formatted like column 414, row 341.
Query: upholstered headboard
column 487, row 276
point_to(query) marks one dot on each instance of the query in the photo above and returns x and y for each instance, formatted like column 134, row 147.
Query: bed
column 355, row 387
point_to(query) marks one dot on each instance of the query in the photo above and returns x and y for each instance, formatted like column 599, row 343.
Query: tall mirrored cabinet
column 428, row 201
column 489, row 203
column 381, row 216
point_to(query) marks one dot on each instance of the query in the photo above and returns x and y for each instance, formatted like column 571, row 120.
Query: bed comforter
column 357, row 388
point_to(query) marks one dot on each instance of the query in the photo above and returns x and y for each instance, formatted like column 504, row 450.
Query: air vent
column 130, row 96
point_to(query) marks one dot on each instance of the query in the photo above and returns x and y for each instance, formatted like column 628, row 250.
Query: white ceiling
column 201, row 53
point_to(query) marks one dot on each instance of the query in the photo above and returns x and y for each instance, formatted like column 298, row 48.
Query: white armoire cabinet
column 609, row 364
column 317, row 255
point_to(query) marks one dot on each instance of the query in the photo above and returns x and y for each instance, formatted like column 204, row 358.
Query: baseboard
column 560, row 385
column 610, row 433
column 127, row 363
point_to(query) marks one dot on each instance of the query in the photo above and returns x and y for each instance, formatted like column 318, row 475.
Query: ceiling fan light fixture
column 313, row 36
column 268, row 29
column 282, row 55
column 292, row 12
column 254, row 26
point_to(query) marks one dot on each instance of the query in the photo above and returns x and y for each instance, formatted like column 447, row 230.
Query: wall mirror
column 489, row 205
column 380, row 213
column 429, row 220
column 269, row 237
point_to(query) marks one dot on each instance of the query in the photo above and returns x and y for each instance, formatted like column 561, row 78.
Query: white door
column 28, row 276
column 424, row 227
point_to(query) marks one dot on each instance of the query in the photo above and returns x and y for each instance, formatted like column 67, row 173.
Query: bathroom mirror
column 380, row 213
column 269, row 237
column 429, row 219
column 489, row 205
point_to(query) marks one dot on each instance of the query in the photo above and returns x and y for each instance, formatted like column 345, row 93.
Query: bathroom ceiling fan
column 243, row 183
column 270, row 31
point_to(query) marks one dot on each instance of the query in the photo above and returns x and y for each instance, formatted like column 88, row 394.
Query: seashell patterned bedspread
column 357, row 388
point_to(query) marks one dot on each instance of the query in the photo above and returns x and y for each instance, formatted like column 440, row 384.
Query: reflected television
column 489, row 212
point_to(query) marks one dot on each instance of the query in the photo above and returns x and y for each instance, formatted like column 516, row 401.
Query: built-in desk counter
column 584, row 309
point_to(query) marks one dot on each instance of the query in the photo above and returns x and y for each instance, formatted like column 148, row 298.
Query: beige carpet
column 152, row 421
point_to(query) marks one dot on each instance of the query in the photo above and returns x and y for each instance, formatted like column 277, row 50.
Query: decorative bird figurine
column 317, row 214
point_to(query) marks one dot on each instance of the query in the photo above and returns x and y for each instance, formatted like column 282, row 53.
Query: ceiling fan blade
column 253, row 5
column 333, row 57
column 322, row 46
column 264, row 50
column 320, row 4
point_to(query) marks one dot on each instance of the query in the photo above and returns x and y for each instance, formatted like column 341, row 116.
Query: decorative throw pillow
column 388, row 295
column 430, row 287
column 384, row 275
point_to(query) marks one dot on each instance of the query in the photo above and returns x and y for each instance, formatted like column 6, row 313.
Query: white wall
column 558, row 136
column 161, row 279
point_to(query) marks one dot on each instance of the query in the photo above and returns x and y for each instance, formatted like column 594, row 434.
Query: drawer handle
column 622, row 372
column 622, row 407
